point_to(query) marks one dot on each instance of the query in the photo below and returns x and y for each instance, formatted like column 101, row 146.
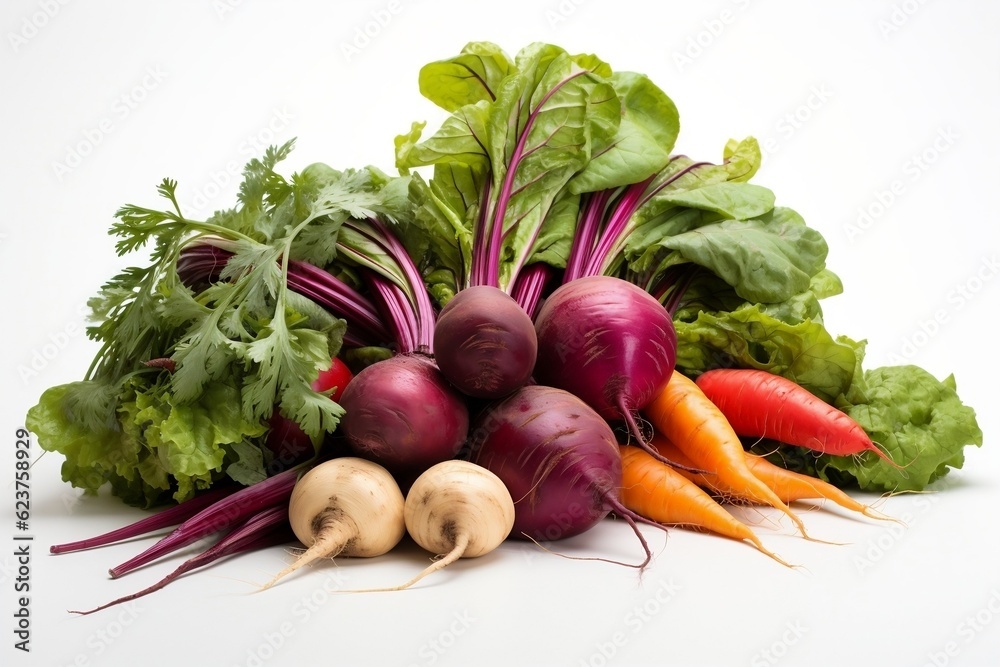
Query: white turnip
column 348, row 507
column 456, row 509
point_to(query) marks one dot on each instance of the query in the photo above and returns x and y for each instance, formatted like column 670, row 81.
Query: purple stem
column 221, row 515
column 405, row 302
column 423, row 307
column 397, row 311
column 672, row 285
column 530, row 285
column 204, row 262
column 489, row 273
column 162, row 519
column 201, row 262
column 614, row 230
column 266, row 528
column 586, row 234
column 338, row 297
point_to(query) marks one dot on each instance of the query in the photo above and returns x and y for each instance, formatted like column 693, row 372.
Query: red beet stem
column 162, row 519
column 264, row 529
column 219, row 516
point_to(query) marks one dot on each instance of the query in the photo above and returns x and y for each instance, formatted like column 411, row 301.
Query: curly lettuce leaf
column 152, row 446
column 95, row 449
column 918, row 420
column 747, row 337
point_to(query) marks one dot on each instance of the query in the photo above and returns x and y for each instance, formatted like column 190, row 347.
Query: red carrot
column 760, row 404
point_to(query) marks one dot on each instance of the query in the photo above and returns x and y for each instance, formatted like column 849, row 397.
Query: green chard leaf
column 472, row 76
column 741, row 159
column 767, row 259
column 540, row 124
column 443, row 213
column 641, row 145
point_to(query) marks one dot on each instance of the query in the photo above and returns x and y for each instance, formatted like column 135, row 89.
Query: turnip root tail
column 331, row 538
column 461, row 544
column 456, row 509
column 344, row 506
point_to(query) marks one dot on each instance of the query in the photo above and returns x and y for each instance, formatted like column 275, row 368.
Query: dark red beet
column 402, row 414
column 485, row 343
column 610, row 343
column 557, row 457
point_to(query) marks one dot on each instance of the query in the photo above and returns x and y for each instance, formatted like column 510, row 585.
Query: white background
column 877, row 107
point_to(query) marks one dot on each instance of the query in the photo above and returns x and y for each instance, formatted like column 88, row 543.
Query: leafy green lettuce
column 155, row 445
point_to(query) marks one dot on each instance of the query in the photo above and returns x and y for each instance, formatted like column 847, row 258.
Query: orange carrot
column 791, row 486
column 760, row 404
column 788, row 485
column 685, row 416
column 659, row 493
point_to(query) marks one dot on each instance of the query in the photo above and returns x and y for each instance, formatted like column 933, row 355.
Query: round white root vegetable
column 345, row 507
column 457, row 509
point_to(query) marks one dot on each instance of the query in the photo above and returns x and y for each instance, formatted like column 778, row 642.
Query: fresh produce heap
column 531, row 296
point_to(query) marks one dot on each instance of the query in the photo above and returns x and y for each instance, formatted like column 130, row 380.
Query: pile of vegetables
column 546, row 317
